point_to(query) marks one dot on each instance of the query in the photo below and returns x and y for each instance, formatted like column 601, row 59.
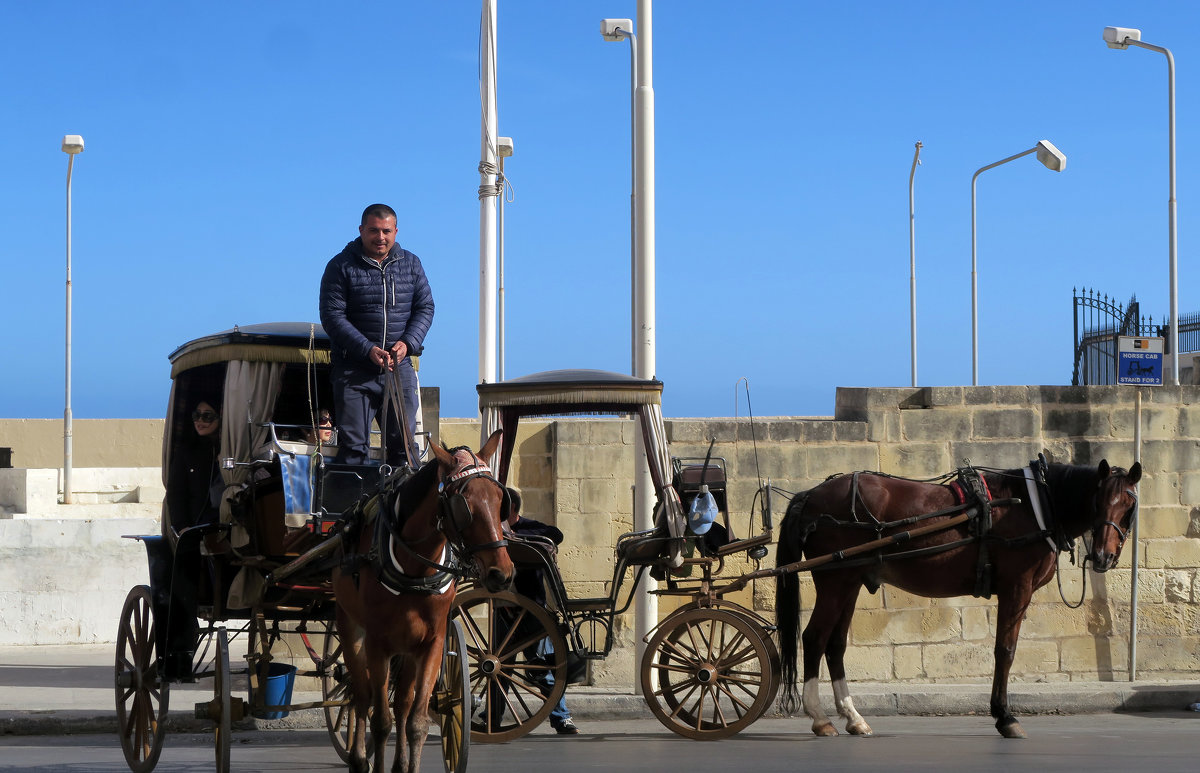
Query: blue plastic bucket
column 280, row 678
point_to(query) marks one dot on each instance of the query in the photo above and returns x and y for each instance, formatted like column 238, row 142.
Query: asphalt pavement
column 69, row 689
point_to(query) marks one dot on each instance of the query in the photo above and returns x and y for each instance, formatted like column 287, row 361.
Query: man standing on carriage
column 376, row 307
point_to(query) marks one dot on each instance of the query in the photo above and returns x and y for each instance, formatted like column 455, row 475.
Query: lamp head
column 615, row 29
column 1118, row 37
column 1051, row 157
column 72, row 143
column 504, row 147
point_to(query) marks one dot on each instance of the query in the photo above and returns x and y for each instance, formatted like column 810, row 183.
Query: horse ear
column 1134, row 474
column 1103, row 469
column 442, row 455
column 491, row 445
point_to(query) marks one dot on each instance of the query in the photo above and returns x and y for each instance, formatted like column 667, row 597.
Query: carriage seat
column 648, row 546
column 530, row 551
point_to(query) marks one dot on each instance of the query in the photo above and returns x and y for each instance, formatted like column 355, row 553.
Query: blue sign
column 1139, row 361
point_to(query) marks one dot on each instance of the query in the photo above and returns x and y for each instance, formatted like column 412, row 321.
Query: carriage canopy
column 586, row 393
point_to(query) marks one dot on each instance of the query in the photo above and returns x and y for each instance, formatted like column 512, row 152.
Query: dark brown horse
column 1012, row 557
column 394, row 596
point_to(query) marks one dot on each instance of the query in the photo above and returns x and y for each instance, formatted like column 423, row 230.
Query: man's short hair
column 381, row 211
column 514, row 499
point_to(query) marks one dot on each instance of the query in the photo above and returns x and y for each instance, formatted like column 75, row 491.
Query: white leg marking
column 855, row 724
column 812, row 707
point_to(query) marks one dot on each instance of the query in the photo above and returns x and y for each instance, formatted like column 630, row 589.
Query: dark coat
column 193, row 476
column 365, row 304
column 530, row 582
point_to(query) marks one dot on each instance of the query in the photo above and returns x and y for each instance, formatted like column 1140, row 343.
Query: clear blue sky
column 231, row 147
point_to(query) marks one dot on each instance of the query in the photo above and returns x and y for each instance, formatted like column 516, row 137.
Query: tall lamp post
column 1121, row 38
column 616, row 30
column 72, row 145
column 1051, row 158
column 643, row 338
column 912, row 262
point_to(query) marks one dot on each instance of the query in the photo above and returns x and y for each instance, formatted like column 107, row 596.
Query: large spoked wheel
column 518, row 663
column 775, row 665
column 713, row 670
column 142, row 695
column 335, row 688
column 222, row 697
column 452, row 700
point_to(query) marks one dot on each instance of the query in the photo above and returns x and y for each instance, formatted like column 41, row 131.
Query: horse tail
column 787, row 598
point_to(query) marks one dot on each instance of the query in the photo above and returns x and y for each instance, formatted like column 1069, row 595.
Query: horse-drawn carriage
column 712, row 666
column 262, row 569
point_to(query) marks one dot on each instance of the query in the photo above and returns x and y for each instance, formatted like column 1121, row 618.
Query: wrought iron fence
column 1099, row 319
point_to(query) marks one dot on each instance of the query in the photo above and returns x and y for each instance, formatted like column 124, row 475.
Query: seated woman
column 194, row 487
column 194, row 483
column 324, row 433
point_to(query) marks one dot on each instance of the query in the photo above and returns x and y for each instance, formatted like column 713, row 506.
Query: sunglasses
column 208, row 417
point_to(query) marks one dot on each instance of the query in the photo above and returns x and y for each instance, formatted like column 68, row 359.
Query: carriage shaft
column 866, row 547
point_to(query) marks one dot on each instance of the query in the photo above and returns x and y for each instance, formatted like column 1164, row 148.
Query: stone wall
column 918, row 433
column 577, row 473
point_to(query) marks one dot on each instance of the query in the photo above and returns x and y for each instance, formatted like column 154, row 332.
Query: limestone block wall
column 583, row 468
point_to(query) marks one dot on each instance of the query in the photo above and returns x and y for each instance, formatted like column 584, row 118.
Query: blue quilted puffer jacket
column 365, row 304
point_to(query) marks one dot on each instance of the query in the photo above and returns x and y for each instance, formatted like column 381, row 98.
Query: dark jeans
column 358, row 397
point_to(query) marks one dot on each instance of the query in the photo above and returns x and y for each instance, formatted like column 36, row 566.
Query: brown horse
column 395, row 590
column 1012, row 557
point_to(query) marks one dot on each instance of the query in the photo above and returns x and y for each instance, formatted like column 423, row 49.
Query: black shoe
column 566, row 727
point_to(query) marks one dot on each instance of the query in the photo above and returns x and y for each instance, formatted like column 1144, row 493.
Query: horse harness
column 453, row 518
column 971, row 494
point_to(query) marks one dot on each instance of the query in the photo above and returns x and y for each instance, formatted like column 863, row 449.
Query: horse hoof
column 859, row 728
column 1011, row 730
column 826, row 730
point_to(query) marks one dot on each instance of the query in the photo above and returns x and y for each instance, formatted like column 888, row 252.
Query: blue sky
column 232, row 146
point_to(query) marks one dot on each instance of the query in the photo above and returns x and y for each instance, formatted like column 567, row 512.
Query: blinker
column 458, row 511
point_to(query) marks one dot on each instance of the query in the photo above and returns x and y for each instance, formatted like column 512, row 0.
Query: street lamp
column 912, row 262
column 1121, row 38
column 616, row 30
column 1051, row 158
column 72, row 144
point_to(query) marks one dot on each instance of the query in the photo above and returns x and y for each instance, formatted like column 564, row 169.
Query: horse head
column 1114, row 514
column 473, row 507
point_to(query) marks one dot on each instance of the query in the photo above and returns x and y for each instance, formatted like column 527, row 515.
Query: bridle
column 1122, row 534
column 454, row 512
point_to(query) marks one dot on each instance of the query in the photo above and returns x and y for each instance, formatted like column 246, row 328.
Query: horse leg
column 381, row 720
column 416, row 727
column 827, row 612
column 402, row 706
column 1010, row 610
column 360, row 692
column 835, row 652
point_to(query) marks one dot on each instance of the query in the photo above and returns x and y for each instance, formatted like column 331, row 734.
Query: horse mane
column 411, row 491
column 1071, row 487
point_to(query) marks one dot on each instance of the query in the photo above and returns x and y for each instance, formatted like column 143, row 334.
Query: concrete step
column 99, row 511
column 40, row 491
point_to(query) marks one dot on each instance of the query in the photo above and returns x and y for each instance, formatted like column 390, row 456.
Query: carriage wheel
column 142, row 696
column 335, row 687
column 775, row 665
column 452, row 700
column 509, row 694
column 714, row 674
column 222, row 700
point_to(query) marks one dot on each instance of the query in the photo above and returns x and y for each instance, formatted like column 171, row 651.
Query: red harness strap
column 960, row 496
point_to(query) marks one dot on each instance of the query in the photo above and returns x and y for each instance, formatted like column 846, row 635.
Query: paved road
column 1164, row 742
